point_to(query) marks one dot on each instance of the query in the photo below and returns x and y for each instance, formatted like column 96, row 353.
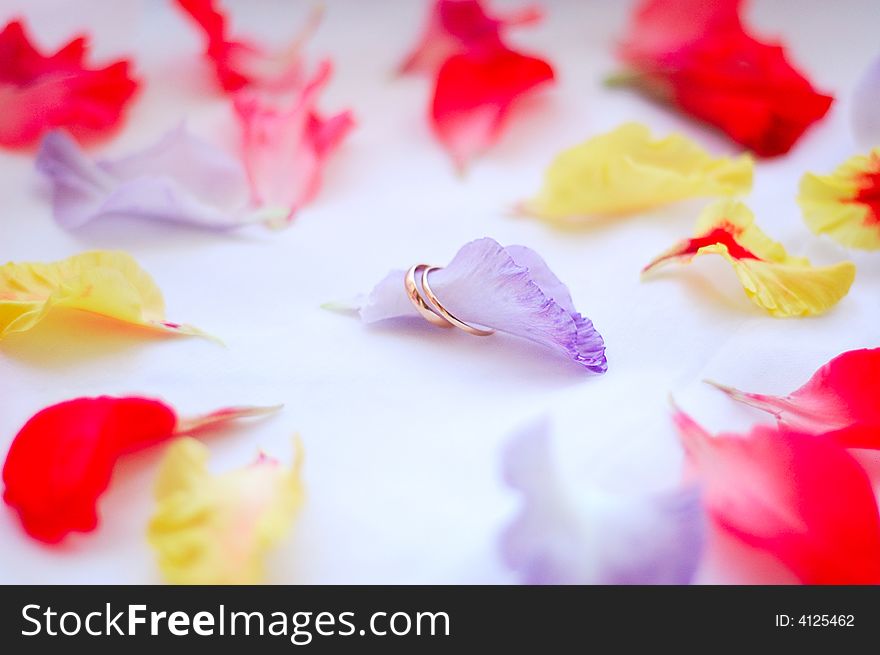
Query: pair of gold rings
column 430, row 307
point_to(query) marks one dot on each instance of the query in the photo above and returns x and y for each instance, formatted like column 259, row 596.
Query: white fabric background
column 403, row 428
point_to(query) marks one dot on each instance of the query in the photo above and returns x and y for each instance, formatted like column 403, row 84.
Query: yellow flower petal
column 625, row 170
column 215, row 529
column 783, row 285
column 104, row 282
column 845, row 205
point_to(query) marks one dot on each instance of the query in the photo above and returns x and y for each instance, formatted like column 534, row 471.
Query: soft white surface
column 403, row 428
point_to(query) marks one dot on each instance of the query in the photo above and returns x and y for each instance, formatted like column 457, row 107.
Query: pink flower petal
column 285, row 149
column 803, row 499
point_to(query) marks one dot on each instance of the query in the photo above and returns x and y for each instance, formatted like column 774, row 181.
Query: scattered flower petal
column 61, row 461
column 285, row 149
column 459, row 25
column 783, row 285
column 105, row 282
column 845, row 205
column 478, row 77
column 180, row 179
column 560, row 537
column 698, row 56
column 215, row 529
column 866, row 118
column 804, row 500
column 243, row 64
column 475, row 91
column 625, row 170
column 662, row 27
column 508, row 289
column 39, row 93
column 839, row 398
column 203, row 422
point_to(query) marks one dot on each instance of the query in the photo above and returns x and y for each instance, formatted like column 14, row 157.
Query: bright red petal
column 39, row 93
column 209, row 18
column 801, row 498
column 60, row 462
column 858, row 435
column 220, row 49
column 456, row 26
column 697, row 56
column 474, row 92
column 749, row 90
column 843, row 394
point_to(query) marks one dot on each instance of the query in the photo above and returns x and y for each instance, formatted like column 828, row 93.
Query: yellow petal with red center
column 626, row 170
column 216, row 529
column 845, row 205
column 783, row 285
column 109, row 283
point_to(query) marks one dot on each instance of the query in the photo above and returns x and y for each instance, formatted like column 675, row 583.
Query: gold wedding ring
column 415, row 297
column 433, row 310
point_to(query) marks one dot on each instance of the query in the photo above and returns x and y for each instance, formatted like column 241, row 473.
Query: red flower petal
column 842, row 397
column 749, row 91
column 868, row 192
column 39, row 93
column 662, row 27
column 223, row 51
column 698, row 56
column 241, row 63
column 801, row 498
column 61, row 461
column 474, row 92
column 724, row 233
column 459, row 25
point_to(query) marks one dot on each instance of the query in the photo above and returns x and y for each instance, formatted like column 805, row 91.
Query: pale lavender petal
column 79, row 186
column 562, row 537
column 508, row 289
column 541, row 275
column 181, row 179
column 866, row 107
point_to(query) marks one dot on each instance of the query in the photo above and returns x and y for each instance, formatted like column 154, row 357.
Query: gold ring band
column 415, row 297
column 445, row 313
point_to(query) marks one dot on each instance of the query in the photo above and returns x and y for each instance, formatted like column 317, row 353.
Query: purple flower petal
column 181, row 179
column 866, row 107
column 560, row 537
column 509, row 289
